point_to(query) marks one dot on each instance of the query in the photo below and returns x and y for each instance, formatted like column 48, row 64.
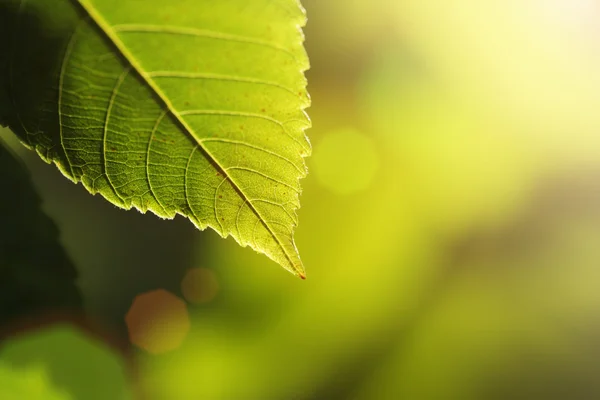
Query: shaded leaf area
column 37, row 275
column 198, row 113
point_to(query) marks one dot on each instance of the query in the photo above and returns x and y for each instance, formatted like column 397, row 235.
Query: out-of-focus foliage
column 36, row 274
column 467, row 267
column 32, row 384
column 79, row 365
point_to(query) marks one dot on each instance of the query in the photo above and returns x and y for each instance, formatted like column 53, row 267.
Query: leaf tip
column 299, row 271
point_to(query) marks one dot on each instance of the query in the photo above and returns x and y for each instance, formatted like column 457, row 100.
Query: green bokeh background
column 450, row 225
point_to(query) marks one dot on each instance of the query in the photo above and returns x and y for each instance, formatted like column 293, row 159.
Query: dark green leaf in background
column 36, row 274
column 191, row 107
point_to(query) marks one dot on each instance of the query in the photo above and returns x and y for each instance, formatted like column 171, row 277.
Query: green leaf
column 191, row 107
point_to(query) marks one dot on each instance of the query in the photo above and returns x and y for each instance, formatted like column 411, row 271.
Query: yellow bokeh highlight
column 345, row 161
column 529, row 66
column 158, row 321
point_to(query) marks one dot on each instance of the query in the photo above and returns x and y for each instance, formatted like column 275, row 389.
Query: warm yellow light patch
column 345, row 161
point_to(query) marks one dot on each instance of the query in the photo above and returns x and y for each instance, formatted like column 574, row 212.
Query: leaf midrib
column 107, row 30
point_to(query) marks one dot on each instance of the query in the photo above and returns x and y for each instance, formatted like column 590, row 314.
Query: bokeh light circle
column 158, row 321
column 200, row 285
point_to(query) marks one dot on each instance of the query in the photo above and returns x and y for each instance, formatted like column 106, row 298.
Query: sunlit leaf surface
column 184, row 107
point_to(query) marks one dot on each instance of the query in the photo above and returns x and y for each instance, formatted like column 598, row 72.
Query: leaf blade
column 167, row 168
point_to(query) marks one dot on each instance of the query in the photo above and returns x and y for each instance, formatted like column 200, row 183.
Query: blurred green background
column 450, row 226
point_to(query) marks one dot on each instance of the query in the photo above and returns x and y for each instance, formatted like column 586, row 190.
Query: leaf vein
column 241, row 143
column 207, row 76
column 113, row 97
column 265, row 176
column 156, row 124
column 203, row 33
